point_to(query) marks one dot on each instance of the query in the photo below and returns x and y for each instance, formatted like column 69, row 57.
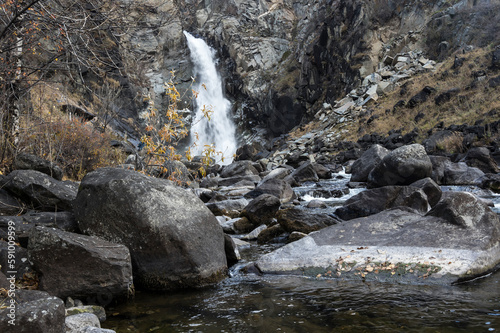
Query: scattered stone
column 421, row 97
column 254, row 234
column 243, row 225
column 232, row 252
column 272, row 232
column 262, row 210
column 316, row 204
column 276, row 187
column 446, row 96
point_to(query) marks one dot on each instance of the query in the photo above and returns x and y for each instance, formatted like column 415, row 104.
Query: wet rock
column 269, row 234
column 78, row 322
column 76, row 265
column 262, row 210
column 365, row 164
column 402, row 166
column 239, row 168
column 491, row 181
column 25, row 161
column 305, row 173
column 316, row 204
column 322, row 171
column 295, row 236
column 479, row 157
column 373, row 201
column 232, row 252
column 401, row 246
column 35, row 311
column 40, row 190
column 173, row 238
column 230, row 207
column 93, row 309
column 243, row 225
column 276, row 187
column 254, row 234
column 303, row 220
column 430, row 188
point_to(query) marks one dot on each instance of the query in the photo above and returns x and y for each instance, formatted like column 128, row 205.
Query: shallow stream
column 251, row 303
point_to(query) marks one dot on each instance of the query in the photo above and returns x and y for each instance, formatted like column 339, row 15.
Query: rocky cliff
column 282, row 59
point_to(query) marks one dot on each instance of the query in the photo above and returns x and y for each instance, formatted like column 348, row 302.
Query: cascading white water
column 220, row 129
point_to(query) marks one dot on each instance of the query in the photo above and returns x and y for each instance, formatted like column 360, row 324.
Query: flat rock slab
column 391, row 246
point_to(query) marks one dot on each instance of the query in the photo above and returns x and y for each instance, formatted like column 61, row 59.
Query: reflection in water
column 249, row 303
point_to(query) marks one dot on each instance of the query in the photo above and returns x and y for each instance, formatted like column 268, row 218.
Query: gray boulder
column 174, row 239
column 399, row 246
column 401, row 166
column 25, row 161
column 35, row 311
column 78, row 322
column 41, row 191
column 278, row 173
column 232, row 181
column 79, row 266
column 276, row 187
column 304, row 220
column 305, row 173
column 239, row 168
column 362, row 167
column 461, row 174
column 373, row 201
column 430, row 188
column 230, row 207
column 262, row 210
column 479, row 157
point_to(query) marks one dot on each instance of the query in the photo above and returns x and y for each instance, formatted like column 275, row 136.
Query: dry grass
column 472, row 103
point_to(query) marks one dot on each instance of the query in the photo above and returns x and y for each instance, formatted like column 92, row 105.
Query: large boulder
column 479, row 157
column 33, row 311
column 399, row 246
column 25, row 161
column 373, row 201
column 174, row 239
column 40, row 190
column 79, row 266
column 461, row 174
column 305, row 173
column 277, row 187
column 362, row 167
column 304, row 220
column 401, row 166
column 262, row 210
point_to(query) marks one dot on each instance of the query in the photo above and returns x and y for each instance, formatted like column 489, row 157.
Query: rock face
column 174, row 240
column 40, row 190
column 35, row 311
column 456, row 241
column 73, row 265
column 402, row 166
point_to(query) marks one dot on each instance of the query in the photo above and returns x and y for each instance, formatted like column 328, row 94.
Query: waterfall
column 220, row 129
